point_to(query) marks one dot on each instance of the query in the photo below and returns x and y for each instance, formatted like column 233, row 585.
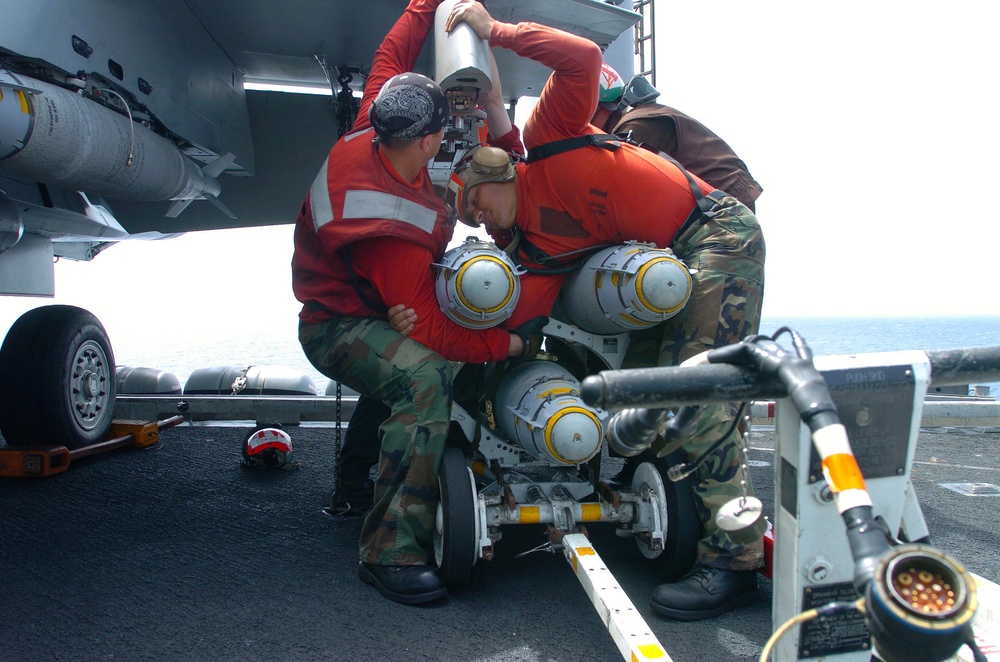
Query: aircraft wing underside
column 121, row 118
column 277, row 42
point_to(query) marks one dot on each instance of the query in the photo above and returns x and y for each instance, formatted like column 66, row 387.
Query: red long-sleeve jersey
column 365, row 237
column 587, row 196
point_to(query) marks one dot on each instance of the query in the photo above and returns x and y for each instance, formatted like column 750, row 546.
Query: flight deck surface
column 178, row 552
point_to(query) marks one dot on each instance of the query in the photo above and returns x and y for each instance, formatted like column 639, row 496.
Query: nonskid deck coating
column 178, row 552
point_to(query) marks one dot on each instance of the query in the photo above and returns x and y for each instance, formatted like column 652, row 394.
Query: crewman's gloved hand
column 531, row 334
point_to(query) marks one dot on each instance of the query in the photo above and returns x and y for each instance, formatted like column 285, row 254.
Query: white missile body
column 625, row 288
column 59, row 137
column 538, row 406
column 477, row 284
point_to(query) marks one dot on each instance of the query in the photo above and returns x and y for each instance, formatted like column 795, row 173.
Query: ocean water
column 854, row 335
column 276, row 344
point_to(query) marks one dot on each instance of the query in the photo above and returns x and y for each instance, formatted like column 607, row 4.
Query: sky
column 870, row 125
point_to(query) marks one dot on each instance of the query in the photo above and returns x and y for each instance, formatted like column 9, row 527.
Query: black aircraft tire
column 57, row 379
column 455, row 535
column 683, row 525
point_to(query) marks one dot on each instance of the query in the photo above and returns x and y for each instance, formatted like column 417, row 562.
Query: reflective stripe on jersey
column 319, row 199
column 375, row 204
column 356, row 134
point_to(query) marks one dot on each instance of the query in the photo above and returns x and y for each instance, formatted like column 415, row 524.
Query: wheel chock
column 33, row 462
column 146, row 434
column 39, row 462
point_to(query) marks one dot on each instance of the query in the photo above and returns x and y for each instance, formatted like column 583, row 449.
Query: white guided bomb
column 462, row 62
column 477, row 284
column 625, row 288
column 538, row 405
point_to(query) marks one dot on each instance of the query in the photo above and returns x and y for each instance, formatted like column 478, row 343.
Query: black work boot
column 705, row 593
column 405, row 584
column 352, row 498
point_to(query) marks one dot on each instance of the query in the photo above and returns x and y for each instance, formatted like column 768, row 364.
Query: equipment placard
column 876, row 406
column 844, row 632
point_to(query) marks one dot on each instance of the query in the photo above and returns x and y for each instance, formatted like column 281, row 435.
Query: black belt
column 697, row 214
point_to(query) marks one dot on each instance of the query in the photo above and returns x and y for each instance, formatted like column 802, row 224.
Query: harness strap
column 552, row 264
column 602, row 140
column 702, row 204
column 612, row 142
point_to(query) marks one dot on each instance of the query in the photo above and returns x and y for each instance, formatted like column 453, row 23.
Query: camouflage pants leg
column 726, row 251
column 416, row 384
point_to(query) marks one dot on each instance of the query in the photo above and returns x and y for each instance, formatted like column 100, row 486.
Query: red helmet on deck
column 267, row 448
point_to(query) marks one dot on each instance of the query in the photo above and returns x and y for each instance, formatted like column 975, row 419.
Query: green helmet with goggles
column 482, row 164
column 611, row 86
column 615, row 94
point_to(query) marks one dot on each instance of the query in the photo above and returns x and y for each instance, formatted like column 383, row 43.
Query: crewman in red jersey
column 366, row 235
column 630, row 109
column 593, row 191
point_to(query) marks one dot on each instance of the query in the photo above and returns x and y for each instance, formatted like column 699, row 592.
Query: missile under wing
column 143, row 119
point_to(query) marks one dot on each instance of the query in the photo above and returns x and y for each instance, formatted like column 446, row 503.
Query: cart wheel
column 57, row 379
column 675, row 510
column 455, row 524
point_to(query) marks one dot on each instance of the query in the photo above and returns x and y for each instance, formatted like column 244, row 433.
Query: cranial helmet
column 639, row 91
column 409, row 106
column 610, row 86
column 482, row 164
column 614, row 94
column 267, row 448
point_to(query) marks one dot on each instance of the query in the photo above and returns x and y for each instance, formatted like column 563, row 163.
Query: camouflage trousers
column 370, row 357
column 726, row 253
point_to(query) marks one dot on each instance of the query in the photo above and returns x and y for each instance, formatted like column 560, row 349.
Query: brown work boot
column 705, row 593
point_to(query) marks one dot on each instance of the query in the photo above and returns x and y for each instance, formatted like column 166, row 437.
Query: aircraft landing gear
column 57, row 379
column 455, row 524
column 671, row 538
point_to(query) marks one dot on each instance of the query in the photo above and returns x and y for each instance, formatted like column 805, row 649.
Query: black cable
column 977, row 654
column 801, row 347
column 685, row 469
